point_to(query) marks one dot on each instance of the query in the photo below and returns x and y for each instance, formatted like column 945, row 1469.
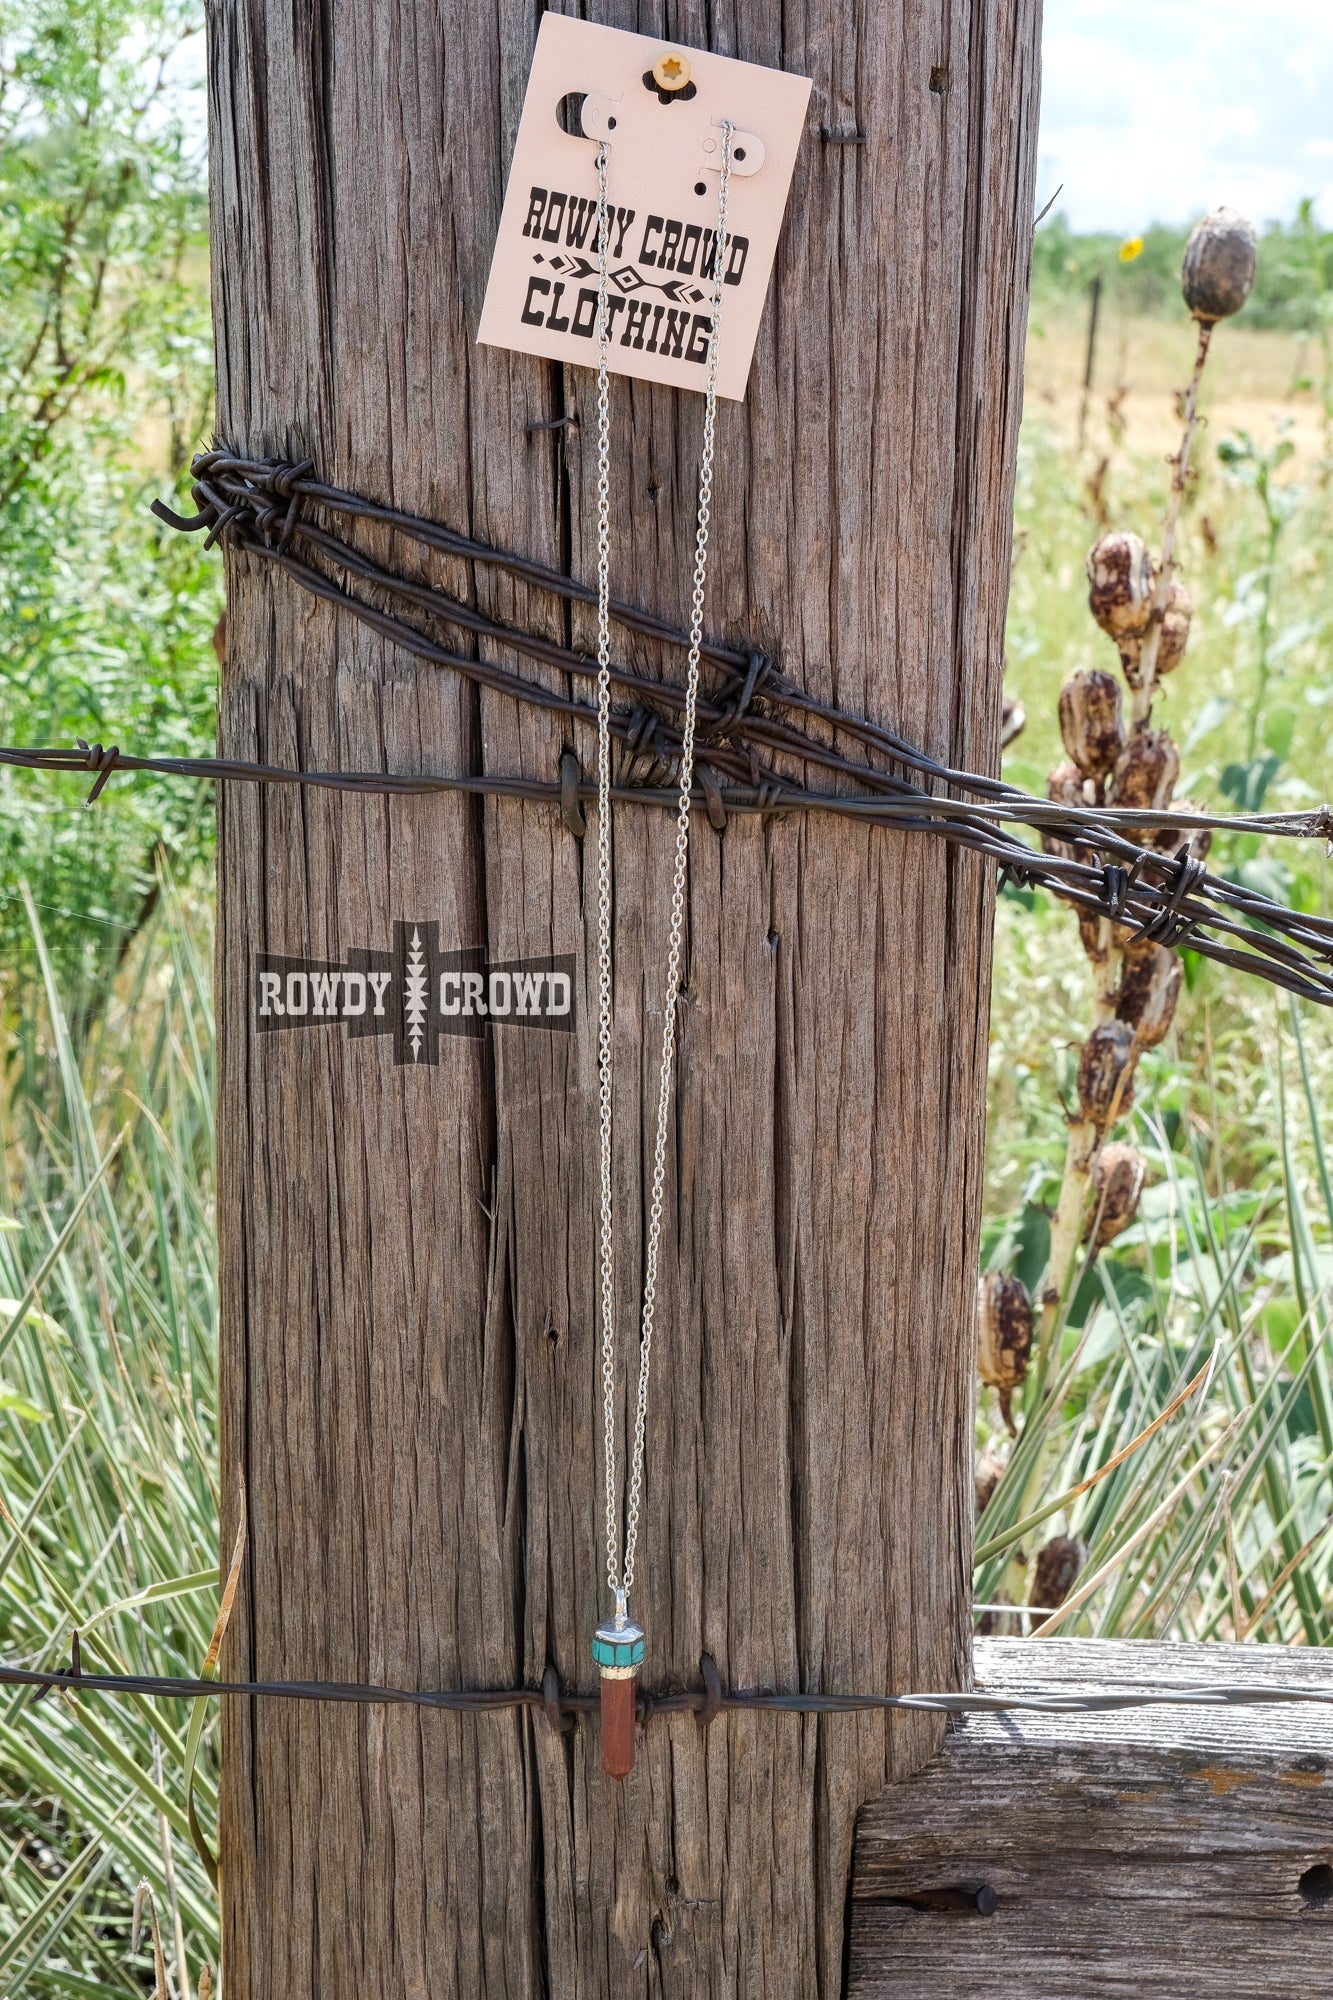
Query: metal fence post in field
column 408, row 1206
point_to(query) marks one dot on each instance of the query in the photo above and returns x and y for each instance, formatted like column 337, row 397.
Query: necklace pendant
column 617, row 1649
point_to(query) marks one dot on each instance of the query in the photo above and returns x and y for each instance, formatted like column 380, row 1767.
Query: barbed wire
column 707, row 1702
column 1166, row 899
column 1110, row 863
column 1138, row 869
column 256, row 505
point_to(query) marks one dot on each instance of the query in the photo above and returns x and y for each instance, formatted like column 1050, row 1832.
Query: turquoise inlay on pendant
column 617, row 1648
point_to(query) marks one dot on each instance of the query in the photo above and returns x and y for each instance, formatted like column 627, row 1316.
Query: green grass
column 107, row 1467
column 1227, row 1283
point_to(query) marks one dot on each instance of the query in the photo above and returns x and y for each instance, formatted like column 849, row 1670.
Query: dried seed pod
column 1120, row 584
column 1090, row 722
column 1173, row 841
column 1175, row 631
column 1054, row 1573
column 1117, row 1183
column 986, row 1476
column 1218, row 269
column 1145, row 772
column 1106, row 1074
column 1172, row 641
column 1004, row 1335
column 1067, row 786
column 1131, row 656
column 1148, row 992
column 1004, row 1329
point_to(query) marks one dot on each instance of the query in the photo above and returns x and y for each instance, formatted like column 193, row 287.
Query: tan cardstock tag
column 659, row 106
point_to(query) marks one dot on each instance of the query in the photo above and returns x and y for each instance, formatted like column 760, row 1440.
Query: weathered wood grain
column 408, row 1341
column 1147, row 1853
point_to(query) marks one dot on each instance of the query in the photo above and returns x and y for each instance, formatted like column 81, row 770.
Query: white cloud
column 1155, row 110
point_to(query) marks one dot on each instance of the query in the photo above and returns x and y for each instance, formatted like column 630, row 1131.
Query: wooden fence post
column 407, row 1322
column 1180, row 1851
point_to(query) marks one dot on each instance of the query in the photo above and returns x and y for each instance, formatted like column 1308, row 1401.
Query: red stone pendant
column 617, row 1649
column 619, row 1697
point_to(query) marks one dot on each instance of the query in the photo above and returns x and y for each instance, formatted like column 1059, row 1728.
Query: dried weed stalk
column 1141, row 603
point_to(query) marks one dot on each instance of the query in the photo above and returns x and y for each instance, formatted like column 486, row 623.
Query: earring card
column 659, row 107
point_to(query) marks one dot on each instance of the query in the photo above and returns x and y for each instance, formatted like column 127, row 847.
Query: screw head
column 671, row 71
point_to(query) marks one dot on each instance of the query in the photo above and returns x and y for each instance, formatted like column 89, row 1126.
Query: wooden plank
column 408, row 1338
column 1150, row 1852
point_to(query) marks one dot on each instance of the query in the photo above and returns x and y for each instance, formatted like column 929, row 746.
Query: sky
column 1157, row 110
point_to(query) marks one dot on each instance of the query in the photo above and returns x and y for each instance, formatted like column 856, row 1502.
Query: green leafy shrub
column 105, row 387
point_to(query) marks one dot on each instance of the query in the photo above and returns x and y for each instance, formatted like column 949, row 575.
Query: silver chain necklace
column 618, row 1647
